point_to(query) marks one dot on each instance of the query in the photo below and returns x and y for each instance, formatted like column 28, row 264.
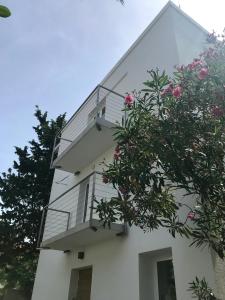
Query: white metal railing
column 74, row 207
column 101, row 103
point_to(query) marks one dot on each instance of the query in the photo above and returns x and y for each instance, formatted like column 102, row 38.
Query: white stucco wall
column 116, row 267
column 53, row 276
column 172, row 40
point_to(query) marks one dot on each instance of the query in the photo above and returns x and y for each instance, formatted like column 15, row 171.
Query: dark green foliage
column 200, row 290
column 24, row 190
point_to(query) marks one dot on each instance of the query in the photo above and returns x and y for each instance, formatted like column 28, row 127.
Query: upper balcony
column 90, row 130
column 70, row 222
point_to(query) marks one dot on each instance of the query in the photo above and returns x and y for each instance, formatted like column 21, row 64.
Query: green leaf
column 4, row 12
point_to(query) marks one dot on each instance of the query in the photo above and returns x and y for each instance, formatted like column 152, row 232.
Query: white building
column 85, row 261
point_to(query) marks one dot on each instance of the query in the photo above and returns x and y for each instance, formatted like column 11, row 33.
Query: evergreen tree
column 24, row 191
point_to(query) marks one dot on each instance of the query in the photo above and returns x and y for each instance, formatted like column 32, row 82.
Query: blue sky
column 53, row 53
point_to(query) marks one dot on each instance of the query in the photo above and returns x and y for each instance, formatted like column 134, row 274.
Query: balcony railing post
column 68, row 222
column 92, row 196
column 41, row 230
column 53, row 151
column 98, row 95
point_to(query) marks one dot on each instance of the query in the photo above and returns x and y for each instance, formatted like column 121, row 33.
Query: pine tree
column 24, row 191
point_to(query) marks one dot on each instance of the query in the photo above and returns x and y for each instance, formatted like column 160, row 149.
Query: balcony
column 70, row 222
column 89, row 132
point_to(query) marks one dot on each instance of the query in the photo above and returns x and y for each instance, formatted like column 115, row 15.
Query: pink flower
column 217, row 111
column 129, row 99
column 177, row 91
column 105, row 179
column 117, row 152
column 194, row 64
column 191, row 215
column 116, row 156
column 203, row 73
column 117, row 149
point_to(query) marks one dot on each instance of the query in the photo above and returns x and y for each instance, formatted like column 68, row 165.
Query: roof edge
column 135, row 44
column 182, row 12
column 149, row 27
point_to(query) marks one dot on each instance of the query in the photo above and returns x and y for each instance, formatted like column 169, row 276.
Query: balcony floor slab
column 83, row 235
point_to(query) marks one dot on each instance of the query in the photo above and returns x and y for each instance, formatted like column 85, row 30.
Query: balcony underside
column 83, row 235
column 94, row 140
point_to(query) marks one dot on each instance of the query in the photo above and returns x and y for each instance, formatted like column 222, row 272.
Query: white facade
column 123, row 267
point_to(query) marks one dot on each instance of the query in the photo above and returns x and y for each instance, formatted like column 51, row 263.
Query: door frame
column 74, row 279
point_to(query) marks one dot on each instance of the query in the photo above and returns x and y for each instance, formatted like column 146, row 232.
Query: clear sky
column 53, row 53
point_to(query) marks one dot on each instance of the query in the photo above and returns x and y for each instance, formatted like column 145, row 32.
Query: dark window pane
column 166, row 281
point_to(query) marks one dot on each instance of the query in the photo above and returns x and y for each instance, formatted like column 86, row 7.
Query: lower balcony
column 70, row 222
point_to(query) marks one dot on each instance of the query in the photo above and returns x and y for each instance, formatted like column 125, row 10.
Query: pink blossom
column 194, row 64
column 203, row 73
column 191, row 215
column 177, row 91
column 117, row 149
column 116, row 156
column 217, row 111
column 129, row 99
column 117, row 152
column 105, row 179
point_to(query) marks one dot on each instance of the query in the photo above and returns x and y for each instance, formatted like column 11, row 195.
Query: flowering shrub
column 200, row 290
column 174, row 139
column 177, row 91
column 129, row 99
